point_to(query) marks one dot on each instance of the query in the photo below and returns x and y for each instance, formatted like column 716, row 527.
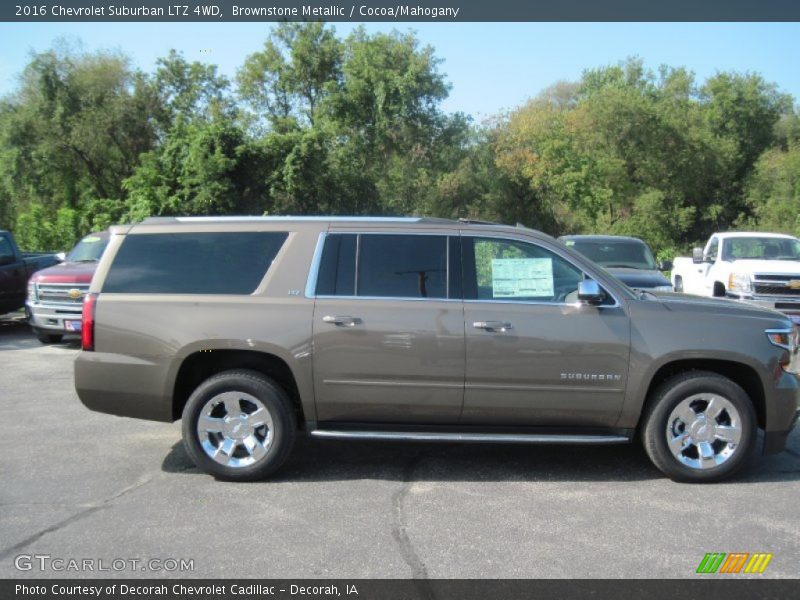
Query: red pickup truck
column 55, row 295
column 15, row 269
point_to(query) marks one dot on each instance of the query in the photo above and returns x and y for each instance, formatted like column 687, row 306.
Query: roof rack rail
column 477, row 222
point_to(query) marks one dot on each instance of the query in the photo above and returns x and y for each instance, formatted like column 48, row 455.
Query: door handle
column 342, row 320
column 493, row 325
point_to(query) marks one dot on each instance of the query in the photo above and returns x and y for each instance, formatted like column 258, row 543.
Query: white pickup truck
column 758, row 268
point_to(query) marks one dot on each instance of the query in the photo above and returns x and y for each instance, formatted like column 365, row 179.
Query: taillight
column 87, row 325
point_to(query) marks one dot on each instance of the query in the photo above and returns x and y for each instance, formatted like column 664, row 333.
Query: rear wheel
column 47, row 338
column 700, row 427
column 239, row 426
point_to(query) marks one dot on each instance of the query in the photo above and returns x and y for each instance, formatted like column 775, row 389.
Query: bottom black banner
column 399, row 589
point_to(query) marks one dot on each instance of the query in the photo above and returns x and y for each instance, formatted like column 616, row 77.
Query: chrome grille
column 775, row 290
column 50, row 293
column 769, row 284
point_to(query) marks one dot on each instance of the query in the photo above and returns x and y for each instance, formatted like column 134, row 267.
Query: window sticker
column 522, row 277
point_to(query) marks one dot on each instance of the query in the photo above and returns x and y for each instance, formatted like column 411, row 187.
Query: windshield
column 764, row 248
column 617, row 254
column 89, row 249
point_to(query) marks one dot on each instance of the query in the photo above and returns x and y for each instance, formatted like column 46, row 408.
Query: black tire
column 668, row 397
column 47, row 338
column 275, row 400
column 678, row 283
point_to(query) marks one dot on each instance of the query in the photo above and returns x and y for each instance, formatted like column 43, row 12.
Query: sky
column 492, row 67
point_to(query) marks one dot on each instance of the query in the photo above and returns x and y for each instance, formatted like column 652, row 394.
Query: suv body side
column 399, row 363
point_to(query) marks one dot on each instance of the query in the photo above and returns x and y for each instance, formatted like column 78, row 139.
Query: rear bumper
column 123, row 385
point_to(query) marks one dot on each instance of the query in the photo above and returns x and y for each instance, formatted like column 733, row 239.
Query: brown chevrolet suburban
column 252, row 329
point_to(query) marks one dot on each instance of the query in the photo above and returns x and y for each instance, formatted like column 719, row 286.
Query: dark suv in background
column 628, row 259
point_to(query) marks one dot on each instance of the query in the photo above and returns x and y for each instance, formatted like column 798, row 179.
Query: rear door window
column 388, row 266
column 193, row 263
column 402, row 266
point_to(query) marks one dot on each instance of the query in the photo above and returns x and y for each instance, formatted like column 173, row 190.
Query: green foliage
column 318, row 124
column 36, row 232
column 774, row 191
column 655, row 156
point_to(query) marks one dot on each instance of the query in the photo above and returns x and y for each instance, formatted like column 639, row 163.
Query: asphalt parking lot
column 77, row 484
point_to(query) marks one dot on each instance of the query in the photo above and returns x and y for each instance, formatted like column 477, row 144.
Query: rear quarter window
column 193, row 263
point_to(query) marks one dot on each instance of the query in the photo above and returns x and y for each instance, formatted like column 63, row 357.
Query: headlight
column 788, row 340
column 32, row 291
column 662, row 288
column 740, row 282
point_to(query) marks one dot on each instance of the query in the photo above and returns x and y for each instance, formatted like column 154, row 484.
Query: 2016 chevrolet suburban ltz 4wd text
column 252, row 329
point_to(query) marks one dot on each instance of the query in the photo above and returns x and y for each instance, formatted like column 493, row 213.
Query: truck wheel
column 678, row 283
column 239, row 426
column 699, row 427
column 47, row 338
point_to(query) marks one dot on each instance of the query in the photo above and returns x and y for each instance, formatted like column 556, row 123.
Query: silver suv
column 253, row 329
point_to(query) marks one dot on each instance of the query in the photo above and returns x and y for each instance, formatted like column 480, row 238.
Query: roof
column 341, row 220
column 763, row 234
column 269, row 219
column 600, row 238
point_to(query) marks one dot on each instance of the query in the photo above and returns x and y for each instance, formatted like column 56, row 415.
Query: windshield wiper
column 619, row 266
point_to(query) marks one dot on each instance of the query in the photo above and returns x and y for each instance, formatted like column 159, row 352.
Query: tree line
column 318, row 124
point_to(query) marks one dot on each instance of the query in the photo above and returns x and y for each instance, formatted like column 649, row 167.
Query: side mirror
column 665, row 265
column 590, row 292
column 697, row 256
column 61, row 256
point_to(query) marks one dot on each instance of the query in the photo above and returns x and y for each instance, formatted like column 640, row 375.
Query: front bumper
column 783, row 411
column 775, row 441
column 53, row 319
column 790, row 306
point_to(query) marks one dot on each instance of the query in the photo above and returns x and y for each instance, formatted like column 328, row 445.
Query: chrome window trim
column 557, row 252
column 313, row 272
column 447, row 268
column 313, row 276
column 408, row 298
column 355, row 266
column 303, row 219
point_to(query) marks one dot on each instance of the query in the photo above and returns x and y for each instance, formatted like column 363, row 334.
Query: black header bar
column 706, row 587
column 398, row 10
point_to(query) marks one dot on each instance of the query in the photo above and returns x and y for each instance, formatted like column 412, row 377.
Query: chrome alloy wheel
column 704, row 431
column 235, row 429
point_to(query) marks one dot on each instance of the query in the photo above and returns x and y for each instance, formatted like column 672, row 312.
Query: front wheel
column 700, row 427
column 239, row 426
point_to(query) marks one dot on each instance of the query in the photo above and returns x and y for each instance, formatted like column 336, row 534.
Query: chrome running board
column 446, row 436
